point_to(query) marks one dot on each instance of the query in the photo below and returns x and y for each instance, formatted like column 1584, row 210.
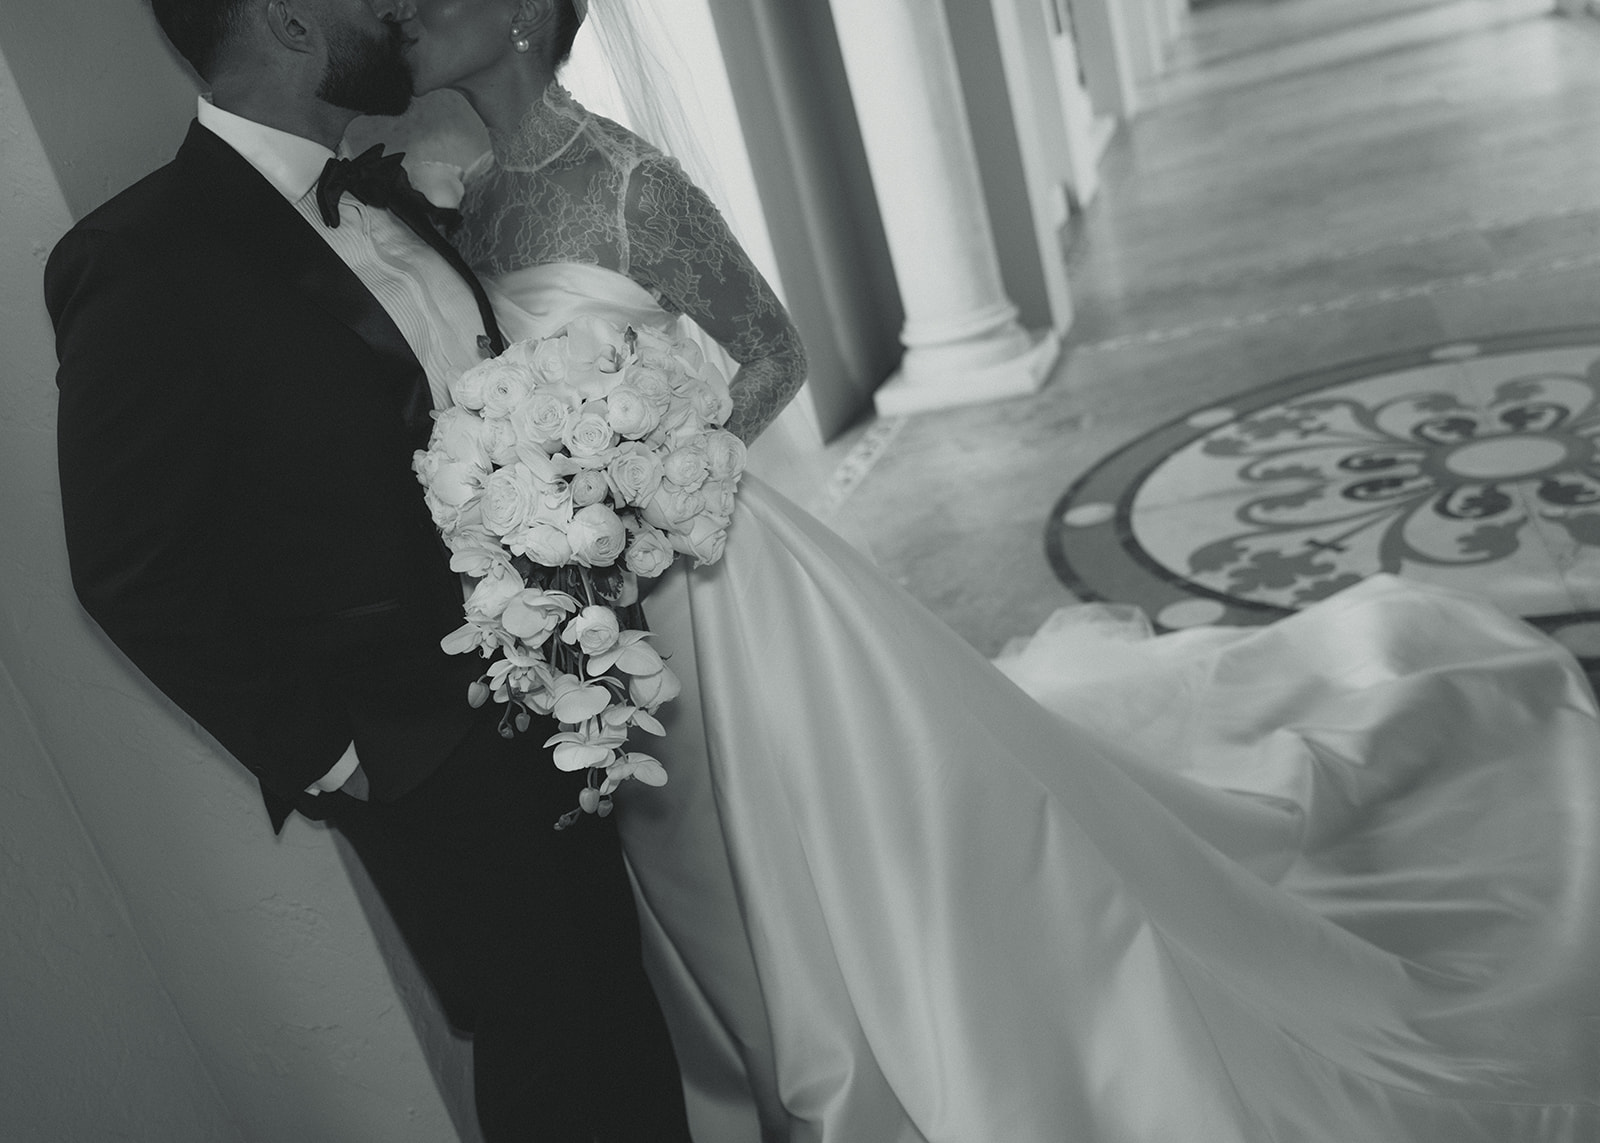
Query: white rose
column 634, row 476
column 631, row 413
column 725, row 455
column 594, row 630
column 705, row 541
column 587, row 432
column 597, row 536
column 650, row 691
column 649, row 554
column 589, row 487
column 509, row 499
column 489, row 598
column 543, row 543
column 686, row 467
column 540, row 419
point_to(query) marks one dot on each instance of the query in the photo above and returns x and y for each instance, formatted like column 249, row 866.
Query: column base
column 901, row 395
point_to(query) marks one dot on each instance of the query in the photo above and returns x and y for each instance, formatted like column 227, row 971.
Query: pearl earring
column 520, row 43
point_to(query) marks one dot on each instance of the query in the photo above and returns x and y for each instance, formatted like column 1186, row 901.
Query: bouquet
column 568, row 467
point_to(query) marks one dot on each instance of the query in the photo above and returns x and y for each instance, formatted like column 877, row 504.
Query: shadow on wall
column 172, row 971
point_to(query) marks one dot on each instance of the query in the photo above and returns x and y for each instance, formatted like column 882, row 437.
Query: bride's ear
column 534, row 24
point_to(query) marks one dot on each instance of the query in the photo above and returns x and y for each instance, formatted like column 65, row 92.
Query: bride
column 1330, row 880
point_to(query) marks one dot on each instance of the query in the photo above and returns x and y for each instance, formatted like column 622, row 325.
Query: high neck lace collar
column 548, row 129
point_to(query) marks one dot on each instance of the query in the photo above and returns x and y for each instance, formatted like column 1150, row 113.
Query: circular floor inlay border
column 1472, row 464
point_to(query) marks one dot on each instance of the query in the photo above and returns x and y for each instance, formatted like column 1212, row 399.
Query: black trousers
column 530, row 938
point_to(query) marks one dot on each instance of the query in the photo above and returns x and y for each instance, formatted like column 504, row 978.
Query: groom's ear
column 288, row 26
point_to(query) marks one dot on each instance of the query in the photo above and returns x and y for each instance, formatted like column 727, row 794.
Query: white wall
column 170, row 970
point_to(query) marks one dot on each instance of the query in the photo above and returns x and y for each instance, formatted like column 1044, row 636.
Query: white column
column 963, row 342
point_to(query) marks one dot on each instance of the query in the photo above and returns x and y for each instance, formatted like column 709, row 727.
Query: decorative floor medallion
column 1475, row 466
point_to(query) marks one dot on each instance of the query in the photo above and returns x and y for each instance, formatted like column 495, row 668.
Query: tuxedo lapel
column 252, row 217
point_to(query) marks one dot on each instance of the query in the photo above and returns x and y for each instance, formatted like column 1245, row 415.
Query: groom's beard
column 367, row 75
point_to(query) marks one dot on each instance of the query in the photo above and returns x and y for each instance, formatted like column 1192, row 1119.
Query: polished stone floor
column 1316, row 182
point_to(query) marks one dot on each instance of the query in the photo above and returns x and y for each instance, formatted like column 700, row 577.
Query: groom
column 251, row 340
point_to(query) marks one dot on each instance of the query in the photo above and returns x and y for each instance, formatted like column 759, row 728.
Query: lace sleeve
column 681, row 249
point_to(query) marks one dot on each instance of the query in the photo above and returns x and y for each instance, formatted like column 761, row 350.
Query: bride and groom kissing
column 243, row 384
column 1176, row 887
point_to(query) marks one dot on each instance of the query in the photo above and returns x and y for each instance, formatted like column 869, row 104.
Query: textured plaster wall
column 170, row 970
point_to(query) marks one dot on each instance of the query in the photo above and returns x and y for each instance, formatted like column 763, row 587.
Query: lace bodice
column 571, row 186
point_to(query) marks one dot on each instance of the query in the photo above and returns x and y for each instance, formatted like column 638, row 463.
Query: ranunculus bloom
column 594, row 630
column 589, row 487
column 652, row 382
column 711, row 405
column 505, row 389
column 500, row 440
column 725, row 455
column 649, row 554
column 467, row 390
column 631, row 413
column 597, row 536
column 685, row 467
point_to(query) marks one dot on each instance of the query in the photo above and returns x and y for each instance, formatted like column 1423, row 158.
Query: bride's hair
column 200, row 28
column 568, row 21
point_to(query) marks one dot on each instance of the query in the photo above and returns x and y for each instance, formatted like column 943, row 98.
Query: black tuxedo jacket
column 237, row 420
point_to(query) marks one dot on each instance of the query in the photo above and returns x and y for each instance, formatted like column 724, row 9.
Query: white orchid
column 570, row 464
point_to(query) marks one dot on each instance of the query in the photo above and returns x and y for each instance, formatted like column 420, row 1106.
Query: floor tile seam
column 1191, row 87
column 1345, row 252
column 849, row 474
column 1364, row 299
column 1310, row 35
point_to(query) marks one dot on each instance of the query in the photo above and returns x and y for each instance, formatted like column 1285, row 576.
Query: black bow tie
column 378, row 180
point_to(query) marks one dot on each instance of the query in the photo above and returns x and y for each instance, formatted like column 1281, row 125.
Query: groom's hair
column 200, row 28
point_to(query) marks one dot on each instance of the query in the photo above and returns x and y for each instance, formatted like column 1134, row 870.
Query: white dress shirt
column 429, row 302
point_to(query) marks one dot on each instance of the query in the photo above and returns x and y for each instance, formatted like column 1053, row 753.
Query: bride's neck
column 502, row 97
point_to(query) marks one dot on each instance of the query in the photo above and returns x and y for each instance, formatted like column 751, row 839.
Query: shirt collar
column 290, row 163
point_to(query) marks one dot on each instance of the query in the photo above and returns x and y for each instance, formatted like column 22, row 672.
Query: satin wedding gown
column 1333, row 880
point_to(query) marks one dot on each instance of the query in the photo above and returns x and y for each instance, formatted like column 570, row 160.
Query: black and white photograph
column 800, row 571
